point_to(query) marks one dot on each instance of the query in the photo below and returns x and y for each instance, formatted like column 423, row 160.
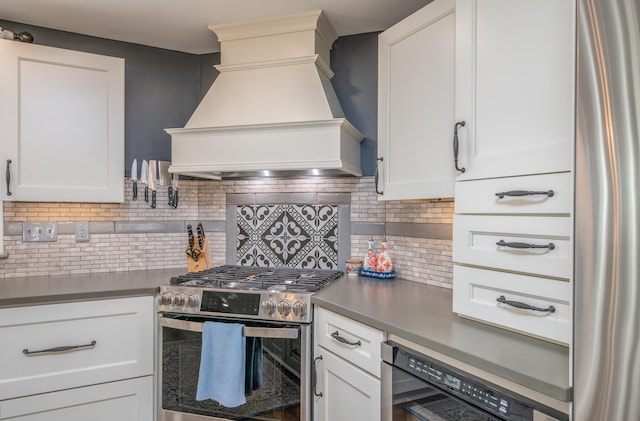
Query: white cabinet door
column 61, row 125
column 515, row 86
column 416, row 72
column 130, row 400
column 348, row 393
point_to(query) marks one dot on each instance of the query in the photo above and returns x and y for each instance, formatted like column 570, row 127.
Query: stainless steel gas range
column 274, row 307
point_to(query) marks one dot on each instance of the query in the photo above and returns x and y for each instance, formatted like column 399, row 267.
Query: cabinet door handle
column 518, row 193
column 524, row 306
column 59, row 349
column 315, row 377
column 335, row 335
column 380, row 192
column 455, row 145
column 502, row 243
column 8, row 176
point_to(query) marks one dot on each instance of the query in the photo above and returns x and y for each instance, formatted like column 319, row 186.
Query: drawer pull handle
column 315, row 376
column 59, row 349
column 455, row 146
column 518, row 193
column 549, row 246
column 335, row 335
column 523, row 306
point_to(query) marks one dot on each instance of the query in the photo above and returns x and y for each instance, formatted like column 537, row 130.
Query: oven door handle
column 249, row 331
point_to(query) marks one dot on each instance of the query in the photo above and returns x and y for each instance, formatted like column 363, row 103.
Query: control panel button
column 165, row 299
column 179, row 300
column 269, row 306
column 284, row 307
column 299, row 308
column 193, row 301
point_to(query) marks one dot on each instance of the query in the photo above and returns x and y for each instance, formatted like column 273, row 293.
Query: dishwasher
column 417, row 387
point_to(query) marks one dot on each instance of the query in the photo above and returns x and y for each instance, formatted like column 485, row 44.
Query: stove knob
column 165, row 299
column 193, row 301
column 284, row 307
column 299, row 308
column 179, row 300
column 269, row 306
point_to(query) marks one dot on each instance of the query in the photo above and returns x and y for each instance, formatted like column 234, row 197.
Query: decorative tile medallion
column 301, row 236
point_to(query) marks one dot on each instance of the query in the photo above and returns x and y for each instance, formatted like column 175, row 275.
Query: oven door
column 410, row 398
column 284, row 363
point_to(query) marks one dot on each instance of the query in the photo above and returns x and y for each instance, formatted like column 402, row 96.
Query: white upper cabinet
column 61, row 125
column 515, row 72
column 416, row 78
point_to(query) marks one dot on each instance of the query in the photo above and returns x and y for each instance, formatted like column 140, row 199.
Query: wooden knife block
column 204, row 261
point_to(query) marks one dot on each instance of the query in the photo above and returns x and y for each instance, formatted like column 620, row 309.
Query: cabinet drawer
column 476, row 238
column 122, row 330
column 364, row 348
column 479, row 196
column 475, row 294
column 124, row 400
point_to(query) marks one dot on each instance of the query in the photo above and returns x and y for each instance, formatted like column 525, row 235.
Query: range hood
column 272, row 109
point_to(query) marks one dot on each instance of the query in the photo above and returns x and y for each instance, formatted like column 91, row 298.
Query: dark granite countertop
column 89, row 286
column 422, row 315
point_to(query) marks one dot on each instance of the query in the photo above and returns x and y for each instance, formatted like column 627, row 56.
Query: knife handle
column 175, row 198
column 153, row 199
column 135, row 190
column 170, row 194
column 200, row 231
column 146, row 193
column 191, row 239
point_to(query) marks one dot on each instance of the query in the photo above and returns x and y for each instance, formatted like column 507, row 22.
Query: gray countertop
column 422, row 314
column 51, row 289
column 416, row 312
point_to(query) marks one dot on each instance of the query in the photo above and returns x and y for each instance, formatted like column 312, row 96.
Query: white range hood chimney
column 272, row 109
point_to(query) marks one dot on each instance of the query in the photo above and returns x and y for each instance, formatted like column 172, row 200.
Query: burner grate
column 260, row 278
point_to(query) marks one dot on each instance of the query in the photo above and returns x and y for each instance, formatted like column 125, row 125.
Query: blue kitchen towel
column 222, row 364
column 253, row 366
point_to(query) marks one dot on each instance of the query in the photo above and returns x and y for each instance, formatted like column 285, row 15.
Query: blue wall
column 163, row 87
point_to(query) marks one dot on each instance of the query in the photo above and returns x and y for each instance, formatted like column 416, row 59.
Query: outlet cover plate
column 82, row 232
column 39, row 232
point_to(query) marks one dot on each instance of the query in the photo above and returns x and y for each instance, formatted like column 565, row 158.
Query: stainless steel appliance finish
column 281, row 294
column 274, row 306
column 607, row 233
column 419, row 385
column 285, row 393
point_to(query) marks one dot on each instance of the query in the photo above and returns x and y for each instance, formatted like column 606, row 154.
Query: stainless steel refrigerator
column 606, row 354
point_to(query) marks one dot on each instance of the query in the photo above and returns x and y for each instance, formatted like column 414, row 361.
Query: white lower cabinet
column 348, row 393
column 70, row 361
column 533, row 305
column 347, row 364
column 123, row 400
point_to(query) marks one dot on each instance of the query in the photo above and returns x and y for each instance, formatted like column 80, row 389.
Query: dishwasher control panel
column 479, row 393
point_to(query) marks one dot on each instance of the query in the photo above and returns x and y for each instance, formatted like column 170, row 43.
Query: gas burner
column 259, row 278
column 274, row 294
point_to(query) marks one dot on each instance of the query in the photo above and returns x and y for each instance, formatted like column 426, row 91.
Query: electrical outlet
column 39, row 231
column 82, row 232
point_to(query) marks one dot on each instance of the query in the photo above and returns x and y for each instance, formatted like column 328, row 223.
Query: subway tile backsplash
column 132, row 236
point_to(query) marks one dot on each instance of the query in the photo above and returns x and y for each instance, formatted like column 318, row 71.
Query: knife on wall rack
column 153, row 171
column 144, row 177
column 173, row 198
column 134, row 178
